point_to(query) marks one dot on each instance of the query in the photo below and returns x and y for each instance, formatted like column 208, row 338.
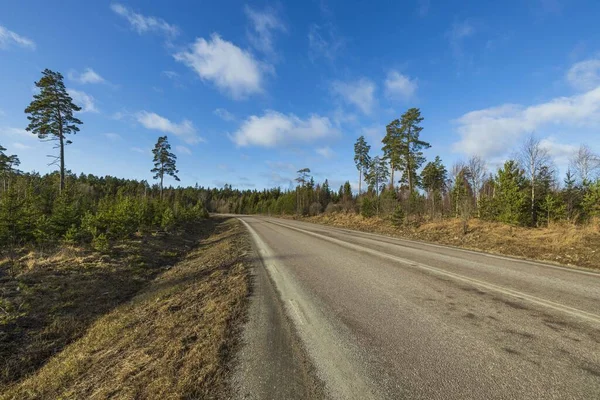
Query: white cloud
column 139, row 150
column 360, row 93
column 87, row 76
column 325, row 152
column 264, row 23
column 494, row 130
column 233, row 70
column 274, row 129
column 400, row 86
column 113, row 136
column 142, row 24
column 224, row 114
column 585, row 75
column 8, row 38
column 185, row 129
column 83, row 100
column 561, row 153
column 183, row 149
column 323, row 41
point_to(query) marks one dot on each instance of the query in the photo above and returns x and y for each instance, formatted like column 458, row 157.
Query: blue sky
column 248, row 93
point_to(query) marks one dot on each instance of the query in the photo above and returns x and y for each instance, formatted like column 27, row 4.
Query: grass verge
column 171, row 339
column 564, row 244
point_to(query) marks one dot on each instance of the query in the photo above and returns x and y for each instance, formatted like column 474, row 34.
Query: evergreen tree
column 411, row 154
column 51, row 115
column 433, row 179
column 511, row 199
column 7, row 166
column 571, row 195
column 164, row 162
column 361, row 159
column 392, row 147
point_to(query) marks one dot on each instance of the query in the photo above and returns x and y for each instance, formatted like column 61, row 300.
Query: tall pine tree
column 361, row 159
column 411, row 147
column 51, row 115
column 164, row 162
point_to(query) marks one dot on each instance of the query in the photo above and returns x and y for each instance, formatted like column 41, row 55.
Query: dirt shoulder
column 576, row 246
column 174, row 338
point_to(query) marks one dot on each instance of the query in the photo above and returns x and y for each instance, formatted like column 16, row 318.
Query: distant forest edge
column 45, row 210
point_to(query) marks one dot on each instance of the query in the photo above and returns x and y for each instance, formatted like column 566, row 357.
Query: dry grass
column 167, row 339
column 565, row 244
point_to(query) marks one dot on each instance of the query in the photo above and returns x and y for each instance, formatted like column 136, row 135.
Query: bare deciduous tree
column 585, row 164
column 477, row 172
column 532, row 158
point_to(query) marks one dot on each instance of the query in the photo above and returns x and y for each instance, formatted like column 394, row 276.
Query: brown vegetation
column 90, row 326
column 563, row 243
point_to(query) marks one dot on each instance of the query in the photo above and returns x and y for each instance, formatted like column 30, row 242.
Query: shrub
column 100, row 243
column 315, row 209
column 367, row 207
column 398, row 216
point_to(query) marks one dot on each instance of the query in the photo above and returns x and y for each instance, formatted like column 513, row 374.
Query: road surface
column 351, row 315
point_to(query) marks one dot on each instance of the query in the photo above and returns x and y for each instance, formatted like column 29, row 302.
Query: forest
column 44, row 211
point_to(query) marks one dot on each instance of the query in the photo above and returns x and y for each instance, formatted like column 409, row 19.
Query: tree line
column 45, row 210
column 399, row 184
column 402, row 185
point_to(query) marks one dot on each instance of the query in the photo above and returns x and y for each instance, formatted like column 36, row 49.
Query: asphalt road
column 367, row 316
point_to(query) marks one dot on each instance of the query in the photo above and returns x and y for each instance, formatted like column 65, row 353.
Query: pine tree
column 433, row 179
column 361, row 159
column 51, row 115
column 392, row 147
column 164, row 162
column 7, row 166
column 410, row 148
column 511, row 199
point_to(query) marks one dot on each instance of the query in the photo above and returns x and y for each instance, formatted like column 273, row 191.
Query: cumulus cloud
column 143, row 24
column 83, row 100
column 360, row 93
column 400, row 86
column 233, row 70
column 87, row 76
column 274, row 129
column 185, row 129
column 492, row 131
column 264, row 23
column 585, row 75
column 9, row 38
column 224, row 114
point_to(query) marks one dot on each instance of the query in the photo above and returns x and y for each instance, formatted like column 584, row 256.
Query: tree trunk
column 392, row 180
column 533, row 216
column 359, row 179
column 62, row 161
column 161, row 185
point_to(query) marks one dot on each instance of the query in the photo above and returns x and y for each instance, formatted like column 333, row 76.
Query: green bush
column 367, row 207
column 100, row 243
column 398, row 216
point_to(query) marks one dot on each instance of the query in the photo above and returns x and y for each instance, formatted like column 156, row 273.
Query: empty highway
column 378, row 317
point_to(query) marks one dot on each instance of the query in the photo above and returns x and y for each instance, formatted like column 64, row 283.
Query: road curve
column 380, row 317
